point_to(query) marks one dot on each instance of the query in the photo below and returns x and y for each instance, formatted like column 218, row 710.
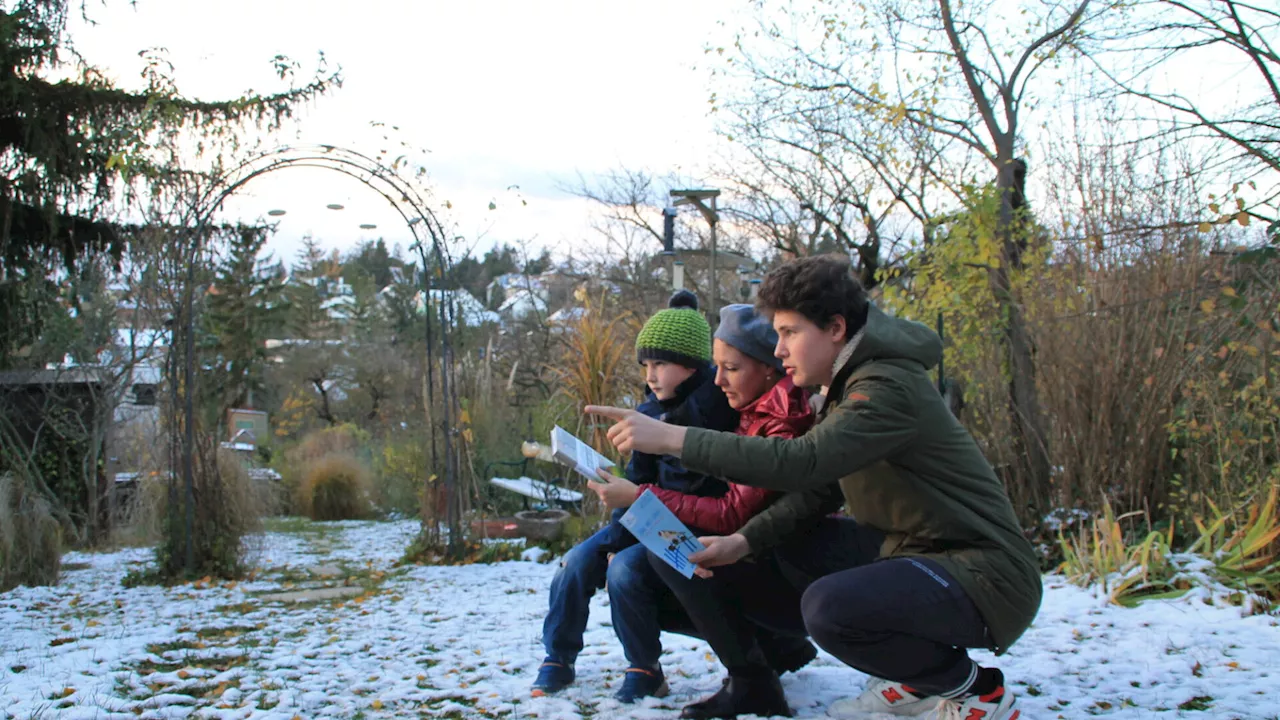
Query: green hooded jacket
column 905, row 466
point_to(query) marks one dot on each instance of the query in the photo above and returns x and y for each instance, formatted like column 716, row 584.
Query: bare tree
column 827, row 177
column 1211, row 33
column 962, row 78
column 104, row 351
column 630, row 228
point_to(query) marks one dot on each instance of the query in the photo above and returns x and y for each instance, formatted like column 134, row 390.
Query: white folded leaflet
column 571, row 451
column 658, row 529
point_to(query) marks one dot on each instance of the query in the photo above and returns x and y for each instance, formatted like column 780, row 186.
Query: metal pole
column 188, row 442
column 450, row 486
column 714, row 311
column 431, row 380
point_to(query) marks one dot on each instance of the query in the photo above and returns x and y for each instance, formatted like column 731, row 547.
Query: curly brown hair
column 819, row 288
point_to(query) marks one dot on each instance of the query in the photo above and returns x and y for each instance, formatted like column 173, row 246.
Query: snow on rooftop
column 141, row 338
column 470, row 311
column 522, row 303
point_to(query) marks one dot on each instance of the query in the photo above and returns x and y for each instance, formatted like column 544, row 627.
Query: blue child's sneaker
column 642, row 683
column 553, row 676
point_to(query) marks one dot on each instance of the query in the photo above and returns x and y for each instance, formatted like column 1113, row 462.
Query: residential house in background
column 468, row 311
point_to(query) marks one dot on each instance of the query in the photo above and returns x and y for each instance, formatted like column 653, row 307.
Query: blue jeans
column 637, row 601
column 582, row 572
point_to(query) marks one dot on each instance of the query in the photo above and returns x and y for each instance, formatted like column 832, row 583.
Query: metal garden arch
column 429, row 242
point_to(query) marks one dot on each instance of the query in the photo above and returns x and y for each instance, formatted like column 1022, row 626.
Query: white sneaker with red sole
column 999, row 705
column 886, row 698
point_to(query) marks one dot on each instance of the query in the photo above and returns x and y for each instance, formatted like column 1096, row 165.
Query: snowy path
column 463, row 642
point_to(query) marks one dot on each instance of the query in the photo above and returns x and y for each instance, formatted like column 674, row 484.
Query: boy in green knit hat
column 674, row 348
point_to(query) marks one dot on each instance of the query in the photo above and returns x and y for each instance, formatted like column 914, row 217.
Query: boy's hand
column 634, row 430
column 721, row 550
column 615, row 492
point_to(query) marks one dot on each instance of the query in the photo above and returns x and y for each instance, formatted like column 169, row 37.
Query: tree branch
column 980, row 99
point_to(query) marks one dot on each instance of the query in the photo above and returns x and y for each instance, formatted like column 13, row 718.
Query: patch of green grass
column 243, row 608
column 171, row 646
column 148, row 574
column 1199, row 702
column 168, row 663
column 224, row 632
column 147, row 667
column 436, row 704
column 284, row 574
column 71, row 567
column 297, row 525
column 196, row 690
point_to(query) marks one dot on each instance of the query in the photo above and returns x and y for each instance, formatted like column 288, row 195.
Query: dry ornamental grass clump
column 30, row 539
column 335, row 487
column 225, row 513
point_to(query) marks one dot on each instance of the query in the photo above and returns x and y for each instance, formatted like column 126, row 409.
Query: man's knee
column 819, row 607
column 833, row 612
column 836, row 613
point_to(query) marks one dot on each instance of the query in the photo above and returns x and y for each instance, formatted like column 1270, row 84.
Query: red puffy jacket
column 782, row 412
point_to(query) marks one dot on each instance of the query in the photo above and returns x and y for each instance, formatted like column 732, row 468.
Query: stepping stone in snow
column 325, row 593
column 326, row 571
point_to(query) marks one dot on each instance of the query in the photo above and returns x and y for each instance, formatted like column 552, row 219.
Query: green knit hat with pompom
column 677, row 334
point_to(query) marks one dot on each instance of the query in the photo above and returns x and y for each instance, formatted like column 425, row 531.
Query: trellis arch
column 428, row 240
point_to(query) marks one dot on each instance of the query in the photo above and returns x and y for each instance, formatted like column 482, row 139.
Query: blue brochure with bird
column 658, row 529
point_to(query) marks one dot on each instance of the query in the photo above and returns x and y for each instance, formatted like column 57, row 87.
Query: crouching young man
column 953, row 571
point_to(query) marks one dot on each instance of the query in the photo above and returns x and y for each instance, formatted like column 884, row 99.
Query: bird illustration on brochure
column 658, row 529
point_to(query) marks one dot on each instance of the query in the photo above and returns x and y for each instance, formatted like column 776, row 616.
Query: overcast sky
column 500, row 94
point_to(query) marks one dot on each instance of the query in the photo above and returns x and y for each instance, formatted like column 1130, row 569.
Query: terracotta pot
column 495, row 528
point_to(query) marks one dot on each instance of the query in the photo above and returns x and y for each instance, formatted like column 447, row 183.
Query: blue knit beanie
column 750, row 332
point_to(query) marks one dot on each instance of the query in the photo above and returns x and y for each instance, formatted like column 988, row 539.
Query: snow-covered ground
column 464, row 642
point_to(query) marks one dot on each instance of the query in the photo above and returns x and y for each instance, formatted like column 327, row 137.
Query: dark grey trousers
column 901, row 619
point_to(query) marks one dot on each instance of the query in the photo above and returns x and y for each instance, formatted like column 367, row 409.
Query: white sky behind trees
column 498, row 94
column 511, row 101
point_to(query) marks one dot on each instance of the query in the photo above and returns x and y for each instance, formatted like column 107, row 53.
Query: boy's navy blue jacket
column 699, row 403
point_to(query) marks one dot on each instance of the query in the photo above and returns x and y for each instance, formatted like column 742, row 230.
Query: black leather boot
column 786, row 653
column 754, row 693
